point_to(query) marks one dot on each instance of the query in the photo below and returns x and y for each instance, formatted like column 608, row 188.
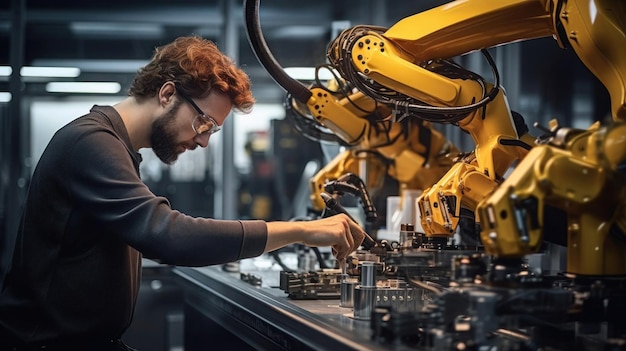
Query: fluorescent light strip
column 84, row 87
column 59, row 72
column 47, row 72
column 95, row 66
column 308, row 73
column 136, row 30
column 5, row 96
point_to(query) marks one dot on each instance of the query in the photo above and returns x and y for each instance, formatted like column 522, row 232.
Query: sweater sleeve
column 107, row 188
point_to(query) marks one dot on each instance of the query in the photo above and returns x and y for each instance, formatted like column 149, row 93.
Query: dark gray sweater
column 87, row 221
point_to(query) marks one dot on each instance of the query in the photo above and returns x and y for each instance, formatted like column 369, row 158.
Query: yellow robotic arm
column 593, row 28
column 581, row 172
column 596, row 30
column 407, row 59
column 437, row 90
column 413, row 153
column 410, row 151
column 379, row 142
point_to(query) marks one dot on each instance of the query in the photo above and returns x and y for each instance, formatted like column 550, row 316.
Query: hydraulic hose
column 352, row 184
column 255, row 36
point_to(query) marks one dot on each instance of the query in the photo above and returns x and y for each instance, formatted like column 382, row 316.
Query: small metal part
column 365, row 293
column 347, row 286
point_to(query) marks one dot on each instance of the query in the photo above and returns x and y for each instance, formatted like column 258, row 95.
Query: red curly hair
column 199, row 67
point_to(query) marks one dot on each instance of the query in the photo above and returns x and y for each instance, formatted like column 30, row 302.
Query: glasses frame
column 203, row 116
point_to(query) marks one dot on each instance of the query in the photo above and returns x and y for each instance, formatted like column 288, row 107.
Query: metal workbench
column 263, row 317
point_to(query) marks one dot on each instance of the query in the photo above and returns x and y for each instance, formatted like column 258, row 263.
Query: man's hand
column 338, row 232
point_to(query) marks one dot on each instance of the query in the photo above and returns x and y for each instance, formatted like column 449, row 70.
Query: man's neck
column 137, row 119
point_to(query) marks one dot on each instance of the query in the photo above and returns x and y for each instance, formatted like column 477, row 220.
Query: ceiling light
column 5, row 97
column 115, row 66
column 5, row 71
column 308, row 73
column 84, row 87
column 42, row 72
column 299, row 32
column 116, row 29
column 58, row 72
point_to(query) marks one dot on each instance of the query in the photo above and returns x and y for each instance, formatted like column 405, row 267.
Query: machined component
column 365, row 292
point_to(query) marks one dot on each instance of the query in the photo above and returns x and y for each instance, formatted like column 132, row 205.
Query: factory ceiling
column 111, row 39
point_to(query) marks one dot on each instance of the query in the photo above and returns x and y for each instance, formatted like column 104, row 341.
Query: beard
column 163, row 136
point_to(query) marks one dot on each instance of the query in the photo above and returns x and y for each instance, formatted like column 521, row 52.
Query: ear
column 166, row 93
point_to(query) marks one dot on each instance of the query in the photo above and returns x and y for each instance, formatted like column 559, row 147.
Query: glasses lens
column 205, row 125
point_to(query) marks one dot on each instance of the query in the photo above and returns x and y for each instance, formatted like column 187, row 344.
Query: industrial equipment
column 377, row 144
column 487, row 296
column 385, row 66
column 378, row 141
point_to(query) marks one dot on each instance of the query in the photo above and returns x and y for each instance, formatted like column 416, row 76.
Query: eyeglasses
column 202, row 123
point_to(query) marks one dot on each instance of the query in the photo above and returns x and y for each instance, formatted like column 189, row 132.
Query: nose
column 202, row 139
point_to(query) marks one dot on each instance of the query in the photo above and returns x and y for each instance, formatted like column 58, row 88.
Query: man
column 89, row 219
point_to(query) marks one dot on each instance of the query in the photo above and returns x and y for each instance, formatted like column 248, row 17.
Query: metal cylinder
column 364, row 302
column 347, row 285
column 365, row 293
column 368, row 274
